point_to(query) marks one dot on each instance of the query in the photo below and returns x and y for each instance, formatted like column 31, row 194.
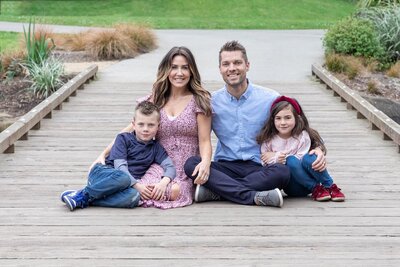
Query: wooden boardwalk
column 37, row 230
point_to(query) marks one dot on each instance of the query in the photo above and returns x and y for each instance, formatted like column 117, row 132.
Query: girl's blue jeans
column 303, row 178
column 108, row 187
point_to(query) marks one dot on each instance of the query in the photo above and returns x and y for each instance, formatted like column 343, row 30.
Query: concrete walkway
column 275, row 56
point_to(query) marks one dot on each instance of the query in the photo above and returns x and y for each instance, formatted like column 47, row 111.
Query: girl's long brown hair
column 301, row 123
column 162, row 86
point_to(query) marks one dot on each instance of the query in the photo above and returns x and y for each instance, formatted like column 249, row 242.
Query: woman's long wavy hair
column 162, row 86
column 301, row 123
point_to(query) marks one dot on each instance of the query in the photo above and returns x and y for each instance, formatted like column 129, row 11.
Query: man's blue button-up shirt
column 237, row 122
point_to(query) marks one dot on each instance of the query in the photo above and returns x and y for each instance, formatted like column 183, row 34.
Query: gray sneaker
column 203, row 194
column 269, row 198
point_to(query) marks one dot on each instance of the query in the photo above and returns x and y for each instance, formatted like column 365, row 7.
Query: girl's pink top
column 296, row 146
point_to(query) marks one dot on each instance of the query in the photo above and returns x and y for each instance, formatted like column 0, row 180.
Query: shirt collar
column 245, row 95
column 148, row 143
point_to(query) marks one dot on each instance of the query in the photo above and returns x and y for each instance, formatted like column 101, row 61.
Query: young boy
column 115, row 184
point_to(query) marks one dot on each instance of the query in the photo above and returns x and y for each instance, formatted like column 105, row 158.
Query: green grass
column 184, row 14
column 8, row 40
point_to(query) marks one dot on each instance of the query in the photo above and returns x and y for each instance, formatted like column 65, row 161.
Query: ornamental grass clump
column 141, row 35
column 110, row 44
column 348, row 65
column 45, row 76
column 394, row 70
column 71, row 41
column 38, row 44
column 11, row 62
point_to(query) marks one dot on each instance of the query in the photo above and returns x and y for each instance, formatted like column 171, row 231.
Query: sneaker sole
column 323, row 199
column 66, row 192
column 196, row 193
column 337, row 199
column 280, row 197
column 70, row 203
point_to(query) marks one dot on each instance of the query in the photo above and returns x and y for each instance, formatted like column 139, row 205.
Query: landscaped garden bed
column 46, row 54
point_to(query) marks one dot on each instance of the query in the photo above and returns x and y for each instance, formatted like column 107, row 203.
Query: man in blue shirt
column 240, row 109
column 115, row 183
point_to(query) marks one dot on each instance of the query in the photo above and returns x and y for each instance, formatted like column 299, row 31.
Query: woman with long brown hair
column 184, row 131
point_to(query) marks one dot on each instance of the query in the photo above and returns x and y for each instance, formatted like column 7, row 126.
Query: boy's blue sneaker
column 66, row 192
column 76, row 199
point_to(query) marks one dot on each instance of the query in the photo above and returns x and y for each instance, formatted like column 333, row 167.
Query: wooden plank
column 37, row 229
column 32, row 118
column 365, row 110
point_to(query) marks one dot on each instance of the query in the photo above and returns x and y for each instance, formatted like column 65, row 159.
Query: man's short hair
column 233, row 46
column 147, row 108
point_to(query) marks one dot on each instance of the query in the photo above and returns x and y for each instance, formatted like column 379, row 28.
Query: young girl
column 286, row 138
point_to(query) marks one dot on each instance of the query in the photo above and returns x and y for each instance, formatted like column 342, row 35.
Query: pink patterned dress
column 179, row 137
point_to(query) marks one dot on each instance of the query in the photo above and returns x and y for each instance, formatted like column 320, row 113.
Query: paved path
column 274, row 55
column 36, row 230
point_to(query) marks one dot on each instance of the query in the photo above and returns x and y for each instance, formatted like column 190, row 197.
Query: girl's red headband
column 291, row 101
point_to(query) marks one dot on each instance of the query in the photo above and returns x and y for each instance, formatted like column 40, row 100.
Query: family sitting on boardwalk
column 163, row 158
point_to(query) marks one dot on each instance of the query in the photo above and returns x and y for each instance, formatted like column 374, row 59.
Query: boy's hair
column 233, row 46
column 301, row 123
column 147, row 108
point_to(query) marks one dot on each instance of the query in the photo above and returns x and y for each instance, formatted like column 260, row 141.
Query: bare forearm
column 205, row 151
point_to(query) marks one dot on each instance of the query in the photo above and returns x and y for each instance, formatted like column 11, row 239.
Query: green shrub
column 354, row 37
column 387, row 25
column 370, row 3
column 45, row 76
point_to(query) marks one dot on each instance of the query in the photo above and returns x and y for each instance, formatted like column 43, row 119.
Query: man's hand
column 320, row 162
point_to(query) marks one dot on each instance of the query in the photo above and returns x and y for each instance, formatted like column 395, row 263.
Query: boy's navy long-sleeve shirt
column 139, row 156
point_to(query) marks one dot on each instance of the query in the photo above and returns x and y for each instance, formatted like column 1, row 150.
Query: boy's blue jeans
column 303, row 178
column 108, row 187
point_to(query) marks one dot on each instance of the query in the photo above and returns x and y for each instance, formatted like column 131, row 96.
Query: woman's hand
column 144, row 191
column 100, row 159
column 203, row 171
column 158, row 191
column 320, row 162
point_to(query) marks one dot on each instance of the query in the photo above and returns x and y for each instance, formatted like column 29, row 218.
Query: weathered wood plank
column 37, row 229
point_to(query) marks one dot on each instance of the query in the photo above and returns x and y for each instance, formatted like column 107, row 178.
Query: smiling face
column 179, row 75
column 284, row 122
column 233, row 68
column 146, row 126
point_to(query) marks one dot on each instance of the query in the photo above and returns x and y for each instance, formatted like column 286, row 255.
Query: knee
column 175, row 192
column 122, row 179
column 133, row 199
column 308, row 160
column 190, row 164
column 282, row 172
column 293, row 162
